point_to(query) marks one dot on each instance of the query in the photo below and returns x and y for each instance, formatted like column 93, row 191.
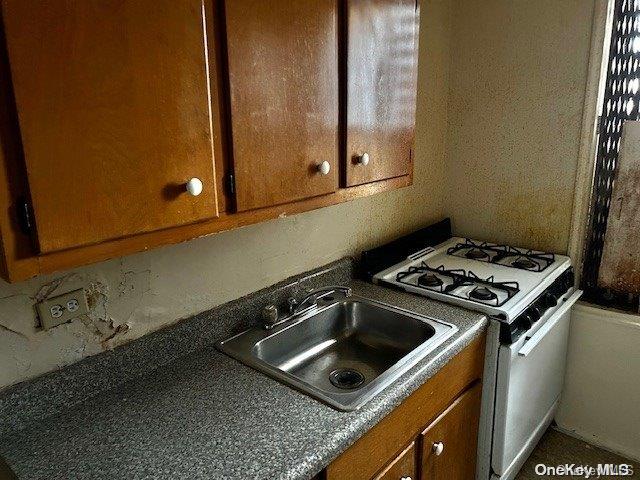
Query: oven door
column 528, row 385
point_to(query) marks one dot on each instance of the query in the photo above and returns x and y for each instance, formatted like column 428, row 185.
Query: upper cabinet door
column 283, row 78
column 382, row 44
column 113, row 102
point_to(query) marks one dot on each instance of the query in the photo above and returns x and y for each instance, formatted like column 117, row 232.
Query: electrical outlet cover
column 55, row 311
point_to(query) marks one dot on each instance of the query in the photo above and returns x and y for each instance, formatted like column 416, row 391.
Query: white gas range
column 497, row 280
column 528, row 296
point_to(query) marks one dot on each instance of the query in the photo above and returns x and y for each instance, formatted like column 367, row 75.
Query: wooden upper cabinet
column 381, row 71
column 283, row 82
column 109, row 107
column 114, row 108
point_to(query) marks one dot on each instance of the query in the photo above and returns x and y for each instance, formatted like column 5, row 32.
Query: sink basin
column 342, row 352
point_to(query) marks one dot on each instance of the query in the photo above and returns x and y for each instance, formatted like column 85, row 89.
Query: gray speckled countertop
column 204, row 415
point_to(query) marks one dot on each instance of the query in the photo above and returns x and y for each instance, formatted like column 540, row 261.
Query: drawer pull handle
column 437, row 448
column 364, row 159
column 324, row 168
column 406, row 478
column 194, row 187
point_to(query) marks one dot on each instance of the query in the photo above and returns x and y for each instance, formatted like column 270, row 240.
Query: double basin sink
column 342, row 351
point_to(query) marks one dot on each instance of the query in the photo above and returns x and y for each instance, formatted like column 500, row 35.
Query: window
column 621, row 103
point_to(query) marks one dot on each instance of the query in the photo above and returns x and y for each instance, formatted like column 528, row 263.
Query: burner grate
column 459, row 283
column 482, row 293
column 529, row 260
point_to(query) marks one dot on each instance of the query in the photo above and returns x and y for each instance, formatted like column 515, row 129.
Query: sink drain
column 346, row 378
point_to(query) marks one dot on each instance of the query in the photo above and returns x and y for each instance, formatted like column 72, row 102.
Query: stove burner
column 482, row 293
column 454, row 283
column 530, row 260
column 476, row 253
column 524, row 263
column 430, row 280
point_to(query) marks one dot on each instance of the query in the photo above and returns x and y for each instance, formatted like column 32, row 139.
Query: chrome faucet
column 271, row 317
column 295, row 307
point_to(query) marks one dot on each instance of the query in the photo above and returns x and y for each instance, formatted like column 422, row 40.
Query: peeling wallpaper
column 137, row 294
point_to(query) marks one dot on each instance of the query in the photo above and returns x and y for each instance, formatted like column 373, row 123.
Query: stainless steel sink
column 342, row 352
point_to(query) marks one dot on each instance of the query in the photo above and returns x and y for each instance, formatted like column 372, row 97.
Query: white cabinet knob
column 324, row 168
column 194, row 187
column 406, row 478
column 364, row 159
column 437, row 448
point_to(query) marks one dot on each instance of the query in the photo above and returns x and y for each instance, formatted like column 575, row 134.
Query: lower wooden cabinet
column 404, row 466
column 449, row 444
column 432, row 435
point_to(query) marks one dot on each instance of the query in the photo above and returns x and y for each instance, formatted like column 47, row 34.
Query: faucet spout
column 270, row 314
column 316, row 293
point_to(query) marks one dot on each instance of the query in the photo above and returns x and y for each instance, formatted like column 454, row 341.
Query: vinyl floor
column 556, row 448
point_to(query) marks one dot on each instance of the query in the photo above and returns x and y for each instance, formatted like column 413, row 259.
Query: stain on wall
column 620, row 265
column 114, row 296
column 518, row 79
column 138, row 294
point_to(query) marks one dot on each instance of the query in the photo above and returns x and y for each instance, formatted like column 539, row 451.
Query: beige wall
column 519, row 69
column 150, row 290
column 602, row 384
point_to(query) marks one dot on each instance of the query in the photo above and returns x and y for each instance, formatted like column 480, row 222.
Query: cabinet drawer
column 450, row 442
column 402, row 467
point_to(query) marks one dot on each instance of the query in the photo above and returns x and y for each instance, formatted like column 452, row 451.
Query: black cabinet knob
column 533, row 313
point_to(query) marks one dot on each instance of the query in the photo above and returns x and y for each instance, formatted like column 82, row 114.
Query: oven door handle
column 537, row 337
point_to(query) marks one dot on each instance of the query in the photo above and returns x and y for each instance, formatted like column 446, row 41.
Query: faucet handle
column 292, row 303
column 269, row 316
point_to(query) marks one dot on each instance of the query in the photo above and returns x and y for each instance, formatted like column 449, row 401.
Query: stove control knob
column 557, row 289
column 569, row 279
column 533, row 314
column 526, row 321
column 549, row 300
column 560, row 287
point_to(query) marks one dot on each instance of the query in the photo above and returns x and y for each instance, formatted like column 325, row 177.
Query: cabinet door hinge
column 25, row 219
column 231, row 184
